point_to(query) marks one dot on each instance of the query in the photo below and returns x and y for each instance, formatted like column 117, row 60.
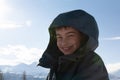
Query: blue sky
column 24, row 28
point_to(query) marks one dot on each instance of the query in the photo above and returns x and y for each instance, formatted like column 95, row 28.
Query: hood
column 78, row 19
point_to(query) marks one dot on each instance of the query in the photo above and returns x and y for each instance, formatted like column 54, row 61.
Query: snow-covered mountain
column 115, row 75
column 31, row 69
column 38, row 71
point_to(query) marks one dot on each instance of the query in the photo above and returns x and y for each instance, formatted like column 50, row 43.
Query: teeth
column 66, row 48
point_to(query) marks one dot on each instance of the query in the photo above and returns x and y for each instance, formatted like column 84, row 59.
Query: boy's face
column 68, row 39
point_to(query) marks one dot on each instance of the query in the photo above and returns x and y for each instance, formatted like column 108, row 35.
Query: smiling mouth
column 66, row 48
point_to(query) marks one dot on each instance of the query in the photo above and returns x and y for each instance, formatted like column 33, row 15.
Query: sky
column 24, row 28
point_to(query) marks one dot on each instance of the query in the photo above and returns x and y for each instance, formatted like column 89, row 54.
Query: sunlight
column 4, row 9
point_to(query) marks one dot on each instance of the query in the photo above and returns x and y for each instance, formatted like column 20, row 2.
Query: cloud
column 13, row 24
column 15, row 54
column 112, row 38
column 113, row 67
column 28, row 23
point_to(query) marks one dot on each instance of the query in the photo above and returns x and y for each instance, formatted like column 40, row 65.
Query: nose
column 64, row 42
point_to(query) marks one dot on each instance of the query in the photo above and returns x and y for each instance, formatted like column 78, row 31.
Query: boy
column 70, row 54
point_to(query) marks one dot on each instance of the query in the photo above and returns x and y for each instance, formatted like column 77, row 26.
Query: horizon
column 111, row 68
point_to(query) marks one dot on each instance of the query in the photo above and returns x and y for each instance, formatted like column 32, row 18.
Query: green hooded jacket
column 84, row 64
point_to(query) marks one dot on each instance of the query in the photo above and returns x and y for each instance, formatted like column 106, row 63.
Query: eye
column 71, row 35
column 58, row 37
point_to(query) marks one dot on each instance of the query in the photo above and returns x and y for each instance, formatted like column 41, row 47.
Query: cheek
column 58, row 43
column 77, row 43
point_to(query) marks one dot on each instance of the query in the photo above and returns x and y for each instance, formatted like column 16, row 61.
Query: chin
column 67, row 53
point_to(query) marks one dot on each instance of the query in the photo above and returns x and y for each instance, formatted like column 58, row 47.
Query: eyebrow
column 66, row 33
column 71, row 32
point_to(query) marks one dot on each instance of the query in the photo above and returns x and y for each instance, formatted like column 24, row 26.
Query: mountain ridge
column 31, row 69
column 38, row 71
